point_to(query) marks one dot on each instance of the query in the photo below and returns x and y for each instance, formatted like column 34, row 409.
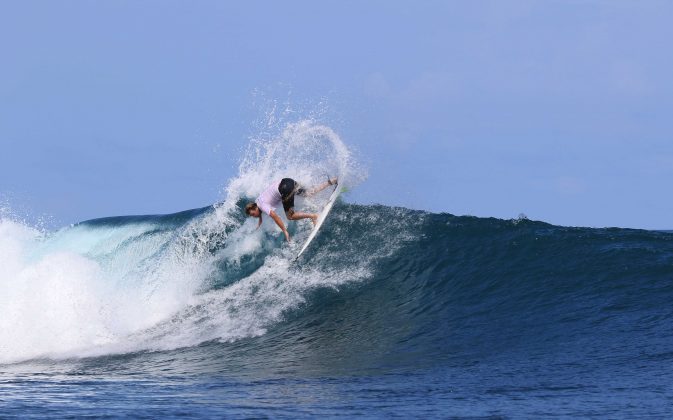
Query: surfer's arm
column 260, row 221
column 280, row 224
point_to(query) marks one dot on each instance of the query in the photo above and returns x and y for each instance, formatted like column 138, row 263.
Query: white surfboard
column 321, row 218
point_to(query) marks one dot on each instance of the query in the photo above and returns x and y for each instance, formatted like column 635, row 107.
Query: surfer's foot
column 332, row 181
column 314, row 219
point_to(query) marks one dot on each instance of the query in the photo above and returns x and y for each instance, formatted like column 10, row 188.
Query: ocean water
column 391, row 312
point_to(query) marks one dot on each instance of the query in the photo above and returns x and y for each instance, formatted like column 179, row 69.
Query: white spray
column 89, row 290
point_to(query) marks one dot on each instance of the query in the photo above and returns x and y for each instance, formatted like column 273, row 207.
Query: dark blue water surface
column 457, row 316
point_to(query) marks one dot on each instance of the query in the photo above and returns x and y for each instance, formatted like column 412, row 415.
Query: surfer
column 283, row 191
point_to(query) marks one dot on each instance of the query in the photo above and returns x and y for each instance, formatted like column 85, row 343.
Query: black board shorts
column 288, row 188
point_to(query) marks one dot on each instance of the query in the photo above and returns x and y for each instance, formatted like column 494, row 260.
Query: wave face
column 437, row 284
column 502, row 307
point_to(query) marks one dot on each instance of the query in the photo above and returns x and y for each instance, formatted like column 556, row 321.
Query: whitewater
column 391, row 312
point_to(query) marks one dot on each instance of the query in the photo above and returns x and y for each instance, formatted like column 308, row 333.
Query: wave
column 379, row 285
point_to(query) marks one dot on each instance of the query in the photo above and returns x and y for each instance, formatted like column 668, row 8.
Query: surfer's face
column 254, row 212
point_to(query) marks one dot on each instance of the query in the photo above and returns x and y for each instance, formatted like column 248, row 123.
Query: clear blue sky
column 562, row 110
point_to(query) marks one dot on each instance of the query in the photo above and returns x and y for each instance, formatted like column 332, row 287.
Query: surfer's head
column 252, row 210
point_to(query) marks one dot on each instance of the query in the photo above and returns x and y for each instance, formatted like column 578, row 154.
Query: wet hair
column 249, row 207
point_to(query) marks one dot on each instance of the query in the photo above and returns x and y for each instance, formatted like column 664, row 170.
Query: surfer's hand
column 287, row 236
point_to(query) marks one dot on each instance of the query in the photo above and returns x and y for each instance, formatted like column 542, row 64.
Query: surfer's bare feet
column 314, row 219
column 333, row 181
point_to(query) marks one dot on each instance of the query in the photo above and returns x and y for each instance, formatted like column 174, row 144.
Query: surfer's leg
column 321, row 187
column 295, row 215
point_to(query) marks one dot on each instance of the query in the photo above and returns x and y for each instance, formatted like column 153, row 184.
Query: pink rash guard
column 270, row 198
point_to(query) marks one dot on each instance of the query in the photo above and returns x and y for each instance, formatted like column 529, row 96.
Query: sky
column 560, row 110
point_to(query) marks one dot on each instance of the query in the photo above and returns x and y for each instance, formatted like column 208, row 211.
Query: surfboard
column 321, row 219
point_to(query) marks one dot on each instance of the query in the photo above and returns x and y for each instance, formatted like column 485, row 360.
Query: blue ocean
column 392, row 312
